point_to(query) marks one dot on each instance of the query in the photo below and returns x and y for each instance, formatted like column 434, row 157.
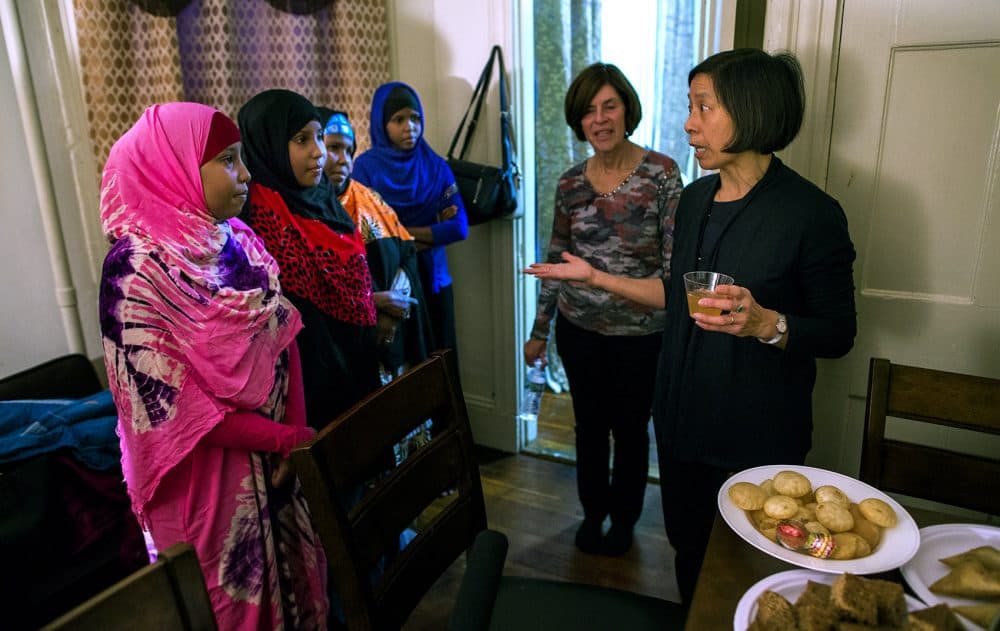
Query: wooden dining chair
column 933, row 397
column 168, row 595
column 437, row 491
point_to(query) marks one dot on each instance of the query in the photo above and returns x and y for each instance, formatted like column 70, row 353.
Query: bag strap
column 478, row 97
column 508, row 148
column 475, row 107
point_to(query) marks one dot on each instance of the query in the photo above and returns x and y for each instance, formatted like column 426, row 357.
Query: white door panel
column 914, row 160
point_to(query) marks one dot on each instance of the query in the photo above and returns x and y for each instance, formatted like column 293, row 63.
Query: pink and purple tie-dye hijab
column 191, row 311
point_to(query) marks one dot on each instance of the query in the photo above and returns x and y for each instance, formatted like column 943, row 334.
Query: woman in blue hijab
column 420, row 186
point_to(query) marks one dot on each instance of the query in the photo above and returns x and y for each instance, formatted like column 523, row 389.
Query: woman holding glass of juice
column 734, row 390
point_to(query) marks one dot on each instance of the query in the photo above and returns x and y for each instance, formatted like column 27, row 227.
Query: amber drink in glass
column 702, row 285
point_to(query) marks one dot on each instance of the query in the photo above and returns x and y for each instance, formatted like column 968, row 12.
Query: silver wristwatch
column 782, row 326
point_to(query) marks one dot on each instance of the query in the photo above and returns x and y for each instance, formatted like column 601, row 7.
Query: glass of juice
column 702, row 285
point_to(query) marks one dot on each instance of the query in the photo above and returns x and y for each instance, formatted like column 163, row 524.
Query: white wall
column 34, row 327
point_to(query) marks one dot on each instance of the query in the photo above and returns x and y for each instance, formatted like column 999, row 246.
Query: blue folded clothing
column 86, row 426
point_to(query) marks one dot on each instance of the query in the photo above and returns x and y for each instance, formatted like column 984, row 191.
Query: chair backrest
column 66, row 377
column 939, row 398
column 437, row 486
column 169, row 594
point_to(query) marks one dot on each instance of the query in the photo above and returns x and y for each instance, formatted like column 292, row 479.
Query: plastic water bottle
column 531, row 402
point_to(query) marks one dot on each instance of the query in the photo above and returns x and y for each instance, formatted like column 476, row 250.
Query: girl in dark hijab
column 420, row 187
column 293, row 208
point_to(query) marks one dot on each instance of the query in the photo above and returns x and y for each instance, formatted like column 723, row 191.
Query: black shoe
column 617, row 542
column 589, row 536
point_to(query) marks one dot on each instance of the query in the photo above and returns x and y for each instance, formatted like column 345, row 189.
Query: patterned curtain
column 222, row 52
column 675, row 56
column 567, row 40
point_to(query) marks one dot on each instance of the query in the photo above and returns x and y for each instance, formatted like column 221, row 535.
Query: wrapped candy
column 794, row 535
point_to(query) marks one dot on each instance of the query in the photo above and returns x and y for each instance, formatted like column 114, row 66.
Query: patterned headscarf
column 191, row 311
column 337, row 122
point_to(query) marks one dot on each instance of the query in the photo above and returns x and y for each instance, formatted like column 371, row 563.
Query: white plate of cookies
column 809, row 594
column 942, row 572
column 851, row 526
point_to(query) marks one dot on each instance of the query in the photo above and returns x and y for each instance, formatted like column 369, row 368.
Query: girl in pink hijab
column 198, row 345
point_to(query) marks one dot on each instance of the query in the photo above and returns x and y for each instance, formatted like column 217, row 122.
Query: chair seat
column 526, row 604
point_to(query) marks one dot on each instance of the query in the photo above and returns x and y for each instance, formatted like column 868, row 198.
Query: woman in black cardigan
column 735, row 390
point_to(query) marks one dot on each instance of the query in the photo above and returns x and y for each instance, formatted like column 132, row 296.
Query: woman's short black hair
column 763, row 94
column 585, row 87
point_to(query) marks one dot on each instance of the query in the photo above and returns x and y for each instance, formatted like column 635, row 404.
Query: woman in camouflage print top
column 616, row 211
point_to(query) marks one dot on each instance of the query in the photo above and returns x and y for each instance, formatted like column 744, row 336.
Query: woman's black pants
column 611, row 381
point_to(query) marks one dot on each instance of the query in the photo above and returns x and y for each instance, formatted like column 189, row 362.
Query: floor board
column 533, row 501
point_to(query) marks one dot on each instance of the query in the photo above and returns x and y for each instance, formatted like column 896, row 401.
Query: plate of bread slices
column 804, row 599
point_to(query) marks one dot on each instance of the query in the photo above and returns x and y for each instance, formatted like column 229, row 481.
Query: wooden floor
column 533, row 501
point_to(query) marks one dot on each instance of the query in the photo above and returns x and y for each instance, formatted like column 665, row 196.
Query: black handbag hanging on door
column 488, row 192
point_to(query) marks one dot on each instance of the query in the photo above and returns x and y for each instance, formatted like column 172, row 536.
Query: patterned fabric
column 194, row 329
column 374, row 218
column 263, row 563
column 392, row 260
column 222, row 52
column 322, row 266
column 320, row 252
column 418, row 184
column 191, row 310
column 629, row 233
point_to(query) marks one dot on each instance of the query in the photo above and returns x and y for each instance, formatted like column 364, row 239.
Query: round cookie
column 877, row 512
column 780, row 507
column 768, row 487
column 830, row 493
column 747, row 496
column 815, row 526
column 761, row 521
column 791, row 483
column 867, row 530
column 849, row 546
column 834, row 516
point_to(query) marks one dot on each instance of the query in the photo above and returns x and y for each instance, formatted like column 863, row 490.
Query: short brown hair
column 585, row 87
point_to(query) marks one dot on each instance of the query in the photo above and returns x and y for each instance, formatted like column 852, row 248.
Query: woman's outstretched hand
column 573, row 268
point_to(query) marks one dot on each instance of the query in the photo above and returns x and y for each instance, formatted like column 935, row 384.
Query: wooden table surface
column 732, row 566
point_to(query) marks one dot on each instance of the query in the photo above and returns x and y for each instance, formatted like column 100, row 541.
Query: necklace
column 615, row 190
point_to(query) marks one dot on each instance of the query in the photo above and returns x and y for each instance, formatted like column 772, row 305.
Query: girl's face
column 306, row 154
column 404, row 128
column 224, row 181
column 339, row 158
column 603, row 123
column 708, row 125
